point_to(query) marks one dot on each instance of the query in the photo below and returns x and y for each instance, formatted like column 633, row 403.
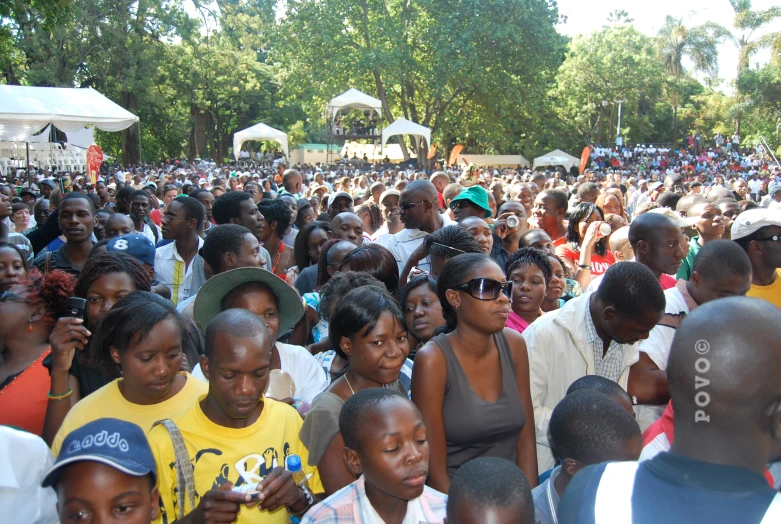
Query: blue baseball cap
column 116, row 443
column 135, row 245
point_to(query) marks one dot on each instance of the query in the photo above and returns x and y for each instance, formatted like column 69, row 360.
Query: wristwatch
column 310, row 501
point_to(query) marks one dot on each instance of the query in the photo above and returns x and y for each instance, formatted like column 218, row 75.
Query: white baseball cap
column 389, row 192
column 751, row 221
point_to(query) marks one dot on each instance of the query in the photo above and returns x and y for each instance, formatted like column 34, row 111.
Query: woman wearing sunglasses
column 471, row 383
column 28, row 311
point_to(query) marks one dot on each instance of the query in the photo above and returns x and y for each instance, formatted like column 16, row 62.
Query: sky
column 648, row 16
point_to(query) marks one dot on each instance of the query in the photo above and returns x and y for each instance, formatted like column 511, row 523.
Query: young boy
column 605, row 386
column 385, row 443
column 586, row 427
column 105, row 469
column 490, row 489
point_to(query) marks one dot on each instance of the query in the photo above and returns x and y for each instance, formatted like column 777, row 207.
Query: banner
column 584, row 158
column 432, row 151
column 94, row 159
column 454, row 154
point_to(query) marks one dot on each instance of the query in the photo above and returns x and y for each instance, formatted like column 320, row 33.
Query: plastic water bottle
column 293, row 465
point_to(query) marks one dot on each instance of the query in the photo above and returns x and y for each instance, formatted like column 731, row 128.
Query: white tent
column 402, row 126
column 82, row 138
column 259, row 132
column 493, row 160
column 354, row 99
column 26, row 110
column 373, row 152
column 556, row 158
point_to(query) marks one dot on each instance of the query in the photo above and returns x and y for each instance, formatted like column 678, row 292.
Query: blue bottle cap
column 293, row 463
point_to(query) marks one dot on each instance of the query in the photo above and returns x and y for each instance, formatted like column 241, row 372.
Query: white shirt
column 406, row 241
column 148, row 233
column 660, row 338
column 24, row 461
column 171, row 271
column 755, row 186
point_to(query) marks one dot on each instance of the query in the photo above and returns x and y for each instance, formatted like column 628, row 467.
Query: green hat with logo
column 476, row 195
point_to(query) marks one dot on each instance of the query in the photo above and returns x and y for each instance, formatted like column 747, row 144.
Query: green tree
column 676, row 41
column 615, row 63
column 430, row 61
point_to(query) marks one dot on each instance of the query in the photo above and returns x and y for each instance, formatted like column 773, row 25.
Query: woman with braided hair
column 371, row 217
column 106, row 278
column 29, row 310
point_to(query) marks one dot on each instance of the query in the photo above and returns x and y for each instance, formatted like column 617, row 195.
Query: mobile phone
column 75, row 307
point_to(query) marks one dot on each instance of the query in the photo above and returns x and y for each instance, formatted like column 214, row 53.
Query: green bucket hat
column 478, row 196
column 209, row 297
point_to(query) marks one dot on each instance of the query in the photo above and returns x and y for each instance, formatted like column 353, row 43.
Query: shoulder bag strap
column 184, row 468
column 47, row 267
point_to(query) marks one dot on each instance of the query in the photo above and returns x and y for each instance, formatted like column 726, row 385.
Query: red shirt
column 599, row 263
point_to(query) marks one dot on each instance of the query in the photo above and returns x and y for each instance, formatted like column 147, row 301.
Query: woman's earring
column 30, row 329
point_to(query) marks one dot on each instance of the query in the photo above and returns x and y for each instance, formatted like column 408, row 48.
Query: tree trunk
column 130, row 151
column 199, row 132
column 675, row 124
column 386, row 110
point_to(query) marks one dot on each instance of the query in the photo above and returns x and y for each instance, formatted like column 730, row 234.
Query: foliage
column 494, row 75
column 615, row 63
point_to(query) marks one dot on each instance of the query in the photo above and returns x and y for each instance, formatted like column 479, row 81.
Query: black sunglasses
column 409, row 205
column 485, row 288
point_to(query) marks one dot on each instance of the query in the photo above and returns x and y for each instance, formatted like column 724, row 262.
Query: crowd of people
column 185, row 343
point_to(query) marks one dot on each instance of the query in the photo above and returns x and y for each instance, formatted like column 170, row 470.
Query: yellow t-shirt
column 215, row 451
column 108, row 401
column 771, row 293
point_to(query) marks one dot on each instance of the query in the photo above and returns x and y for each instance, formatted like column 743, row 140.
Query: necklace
column 279, row 255
column 348, row 384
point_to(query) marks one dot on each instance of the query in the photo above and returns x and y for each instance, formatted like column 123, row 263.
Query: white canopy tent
column 354, row 99
column 493, row 160
column 402, row 126
column 259, row 132
column 26, row 110
column 556, row 158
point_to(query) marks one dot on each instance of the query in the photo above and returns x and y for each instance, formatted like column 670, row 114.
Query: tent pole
column 27, row 167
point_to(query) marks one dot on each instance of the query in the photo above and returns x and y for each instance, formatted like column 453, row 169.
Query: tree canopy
column 493, row 75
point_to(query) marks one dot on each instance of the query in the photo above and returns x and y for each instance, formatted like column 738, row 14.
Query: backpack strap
column 613, row 502
column 184, row 467
column 773, row 513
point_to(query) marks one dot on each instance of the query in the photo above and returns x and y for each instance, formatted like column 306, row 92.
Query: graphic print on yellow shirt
column 219, row 455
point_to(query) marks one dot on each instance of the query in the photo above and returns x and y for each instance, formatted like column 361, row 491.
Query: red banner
column 94, row 159
column 584, row 157
column 432, row 151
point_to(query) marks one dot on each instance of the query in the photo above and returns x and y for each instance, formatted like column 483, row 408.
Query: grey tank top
column 474, row 427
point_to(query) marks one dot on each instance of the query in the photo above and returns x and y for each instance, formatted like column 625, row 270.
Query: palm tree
column 745, row 24
column 676, row 41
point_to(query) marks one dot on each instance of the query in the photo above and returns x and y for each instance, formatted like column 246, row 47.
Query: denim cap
column 135, row 245
column 116, row 443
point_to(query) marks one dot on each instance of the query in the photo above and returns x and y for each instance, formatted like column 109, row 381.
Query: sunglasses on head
column 485, row 288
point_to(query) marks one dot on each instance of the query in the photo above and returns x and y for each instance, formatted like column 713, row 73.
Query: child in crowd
column 605, row 386
column 490, row 489
column 586, row 427
column 105, row 472
column 385, row 444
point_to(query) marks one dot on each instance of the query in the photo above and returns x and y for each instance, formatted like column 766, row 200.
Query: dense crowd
column 331, row 344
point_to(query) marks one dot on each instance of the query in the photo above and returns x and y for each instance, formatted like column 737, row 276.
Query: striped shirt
column 171, row 271
column 609, row 365
column 350, row 505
